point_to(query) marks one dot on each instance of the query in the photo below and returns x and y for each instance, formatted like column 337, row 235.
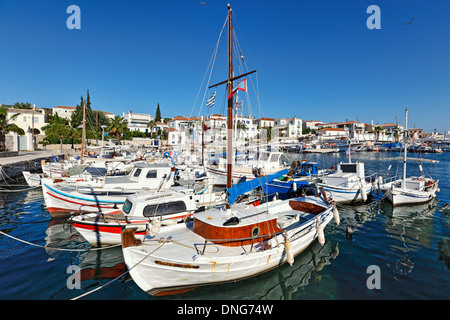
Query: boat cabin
column 309, row 168
column 346, row 175
column 143, row 176
column 415, row 183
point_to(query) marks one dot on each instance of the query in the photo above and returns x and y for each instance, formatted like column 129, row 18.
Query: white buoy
column 363, row 192
column 294, row 186
column 289, row 255
column 321, row 235
column 337, row 220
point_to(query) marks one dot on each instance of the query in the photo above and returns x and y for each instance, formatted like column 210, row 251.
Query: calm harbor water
column 410, row 245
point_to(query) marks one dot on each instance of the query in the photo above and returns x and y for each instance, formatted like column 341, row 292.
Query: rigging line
column 211, row 61
column 237, row 51
column 251, row 58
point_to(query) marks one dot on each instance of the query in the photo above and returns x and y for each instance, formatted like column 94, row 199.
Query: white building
column 331, row 133
column 63, row 112
column 289, row 127
column 27, row 118
column 137, row 121
column 311, row 124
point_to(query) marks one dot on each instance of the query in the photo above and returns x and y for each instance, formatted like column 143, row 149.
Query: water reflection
column 280, row 284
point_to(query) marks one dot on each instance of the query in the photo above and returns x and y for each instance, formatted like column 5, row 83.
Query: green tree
column 6, row 126
column 158, row 114
column 117, row 126
column 77, row 116
column 56, row 131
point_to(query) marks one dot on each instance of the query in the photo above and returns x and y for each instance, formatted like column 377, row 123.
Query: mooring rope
column 58, row 249
column 107, row 284
column 18, row 190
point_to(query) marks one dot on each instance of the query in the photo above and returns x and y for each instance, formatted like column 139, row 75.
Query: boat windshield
column 127, row 206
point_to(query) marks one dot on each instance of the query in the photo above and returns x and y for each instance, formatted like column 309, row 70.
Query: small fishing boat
column 349, row 183
column 64, row 197
column 170, row 206
column 410, row 190
column 222, row 245
column 265, row 163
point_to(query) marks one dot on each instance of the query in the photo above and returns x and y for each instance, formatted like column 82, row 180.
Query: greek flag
column 211, row 100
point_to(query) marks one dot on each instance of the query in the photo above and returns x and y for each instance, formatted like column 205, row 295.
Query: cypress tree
column 158, row 114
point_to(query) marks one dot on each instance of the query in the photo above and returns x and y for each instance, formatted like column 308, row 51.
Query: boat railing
column 253, row 239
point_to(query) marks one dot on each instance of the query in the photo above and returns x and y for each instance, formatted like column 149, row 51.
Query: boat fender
column 294, row 186
column 363, row 192
column 336, row 215
column 154, row 227
column 289, row 255
column 320, row 233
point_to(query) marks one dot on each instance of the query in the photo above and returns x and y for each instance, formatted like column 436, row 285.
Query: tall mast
column 230, row 99
column 404, row 153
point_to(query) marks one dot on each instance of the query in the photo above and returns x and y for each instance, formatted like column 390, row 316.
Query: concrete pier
column 11, row 167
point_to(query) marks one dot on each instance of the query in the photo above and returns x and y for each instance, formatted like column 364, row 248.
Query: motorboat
column 64, row 197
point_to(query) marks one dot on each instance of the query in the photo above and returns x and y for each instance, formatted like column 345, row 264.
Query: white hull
column 66, row 200
column 180, row 264
column 106, row 233
column 347, row 195
column 32, row 179
column 403, row 196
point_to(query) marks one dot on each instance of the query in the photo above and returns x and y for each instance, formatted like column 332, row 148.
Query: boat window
column 348, row 168
column 137, row 172
column 127, row 206
column 164, row 208
column 151, row 174
column 264, row 156
column 274, row 157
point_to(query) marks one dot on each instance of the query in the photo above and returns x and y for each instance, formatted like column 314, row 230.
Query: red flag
column 242, row 85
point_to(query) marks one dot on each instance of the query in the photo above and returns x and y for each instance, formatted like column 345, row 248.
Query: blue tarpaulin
column 241, row 188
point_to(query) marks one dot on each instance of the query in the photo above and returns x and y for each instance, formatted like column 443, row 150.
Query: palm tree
column 117, row 126
column 6, row 127
column 240, row 125
column 378, row 131
column 151, row 124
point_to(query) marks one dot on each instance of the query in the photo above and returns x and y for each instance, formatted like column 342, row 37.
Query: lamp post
column 103, row 136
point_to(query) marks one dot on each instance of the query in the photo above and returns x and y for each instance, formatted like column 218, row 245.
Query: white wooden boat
column 348, row 184
column 209, row 251
column 66, row 197
column 410, row 190
column 266, row 163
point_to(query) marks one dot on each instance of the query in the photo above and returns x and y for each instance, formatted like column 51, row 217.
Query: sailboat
column 410, row 190
column 227, row 243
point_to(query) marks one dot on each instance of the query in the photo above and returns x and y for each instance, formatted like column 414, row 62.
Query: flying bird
column 203, row 3
column 410, row 22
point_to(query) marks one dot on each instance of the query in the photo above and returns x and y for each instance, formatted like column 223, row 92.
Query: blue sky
column 316, row 60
